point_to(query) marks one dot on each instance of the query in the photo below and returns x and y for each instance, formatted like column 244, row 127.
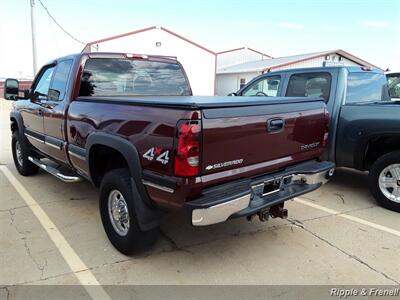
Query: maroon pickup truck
column 130, row 125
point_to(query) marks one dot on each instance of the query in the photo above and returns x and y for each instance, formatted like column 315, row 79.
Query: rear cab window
column 366, row 87
column 394, row 85
column 310, row 85
column 132, row 77
column 267, row 86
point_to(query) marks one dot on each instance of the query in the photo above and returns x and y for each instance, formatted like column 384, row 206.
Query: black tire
column 23, row 165
column 135, row 240
column 373, row 179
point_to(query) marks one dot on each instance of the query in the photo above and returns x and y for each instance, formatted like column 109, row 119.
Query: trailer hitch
column 278, row 211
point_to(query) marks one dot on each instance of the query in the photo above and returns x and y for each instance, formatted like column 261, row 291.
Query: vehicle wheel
column 20, row 152
column 384, row 180
column 118, row 214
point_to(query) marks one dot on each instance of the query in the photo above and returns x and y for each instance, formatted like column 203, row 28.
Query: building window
column 242, row 82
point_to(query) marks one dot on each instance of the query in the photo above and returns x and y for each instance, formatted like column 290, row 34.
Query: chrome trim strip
column 157, row 186
column 76, row 155
column 220, row 212
column 54, row 171
column 274, row 191
column 52, row 145
column 33, row 138
column 257, row 185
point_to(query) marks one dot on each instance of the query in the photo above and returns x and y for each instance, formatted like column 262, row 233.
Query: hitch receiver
column 264, row 214
column 278, row 211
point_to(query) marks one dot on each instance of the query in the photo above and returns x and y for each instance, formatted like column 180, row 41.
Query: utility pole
column 33, row 37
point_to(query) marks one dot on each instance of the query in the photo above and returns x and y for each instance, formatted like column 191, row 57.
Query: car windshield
column 129, row 77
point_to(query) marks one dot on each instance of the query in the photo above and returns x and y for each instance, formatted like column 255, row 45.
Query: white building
column 232, row 77
column 198, row 61
column 210, row 72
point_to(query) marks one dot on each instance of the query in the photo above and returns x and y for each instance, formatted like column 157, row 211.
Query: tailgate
column 235, row 137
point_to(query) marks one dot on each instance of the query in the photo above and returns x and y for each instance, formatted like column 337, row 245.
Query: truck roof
column 170, row 59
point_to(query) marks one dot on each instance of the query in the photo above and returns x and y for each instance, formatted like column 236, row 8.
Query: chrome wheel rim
column 389, row 182
column 118, row 212
column 18, row 152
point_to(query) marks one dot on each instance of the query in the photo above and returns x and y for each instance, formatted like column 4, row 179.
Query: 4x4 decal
column 157, row 154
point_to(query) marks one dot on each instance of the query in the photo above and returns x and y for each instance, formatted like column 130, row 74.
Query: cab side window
column 41, row 89
column 309, row 85
column 268, row 86
column 59, row 83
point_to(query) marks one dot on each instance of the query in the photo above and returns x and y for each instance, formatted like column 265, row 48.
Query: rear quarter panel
column 145, row 127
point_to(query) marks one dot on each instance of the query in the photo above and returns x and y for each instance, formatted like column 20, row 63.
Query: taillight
column 326, row 128
column 187, row 155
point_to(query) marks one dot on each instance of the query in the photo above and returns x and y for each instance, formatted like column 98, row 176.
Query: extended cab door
column 32, row 113
column 54, row 108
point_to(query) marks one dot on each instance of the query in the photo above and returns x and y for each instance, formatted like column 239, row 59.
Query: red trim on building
column 295, row 61
column 120, row 35
column 261, row 53
column 147, row 29
column 187, row 40
column 354, row 58
column 231, row 50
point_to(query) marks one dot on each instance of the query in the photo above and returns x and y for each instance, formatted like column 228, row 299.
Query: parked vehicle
column 394, row 85
column 364, row 131
column 129, row 124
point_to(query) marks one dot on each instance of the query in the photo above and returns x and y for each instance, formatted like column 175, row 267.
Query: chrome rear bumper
column 220, row 212
column 292, row 185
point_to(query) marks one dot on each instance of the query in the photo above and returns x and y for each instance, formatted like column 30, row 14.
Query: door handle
column 275, row 125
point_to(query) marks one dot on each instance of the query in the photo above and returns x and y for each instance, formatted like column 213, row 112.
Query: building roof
column 144, row 30
column 273, row 63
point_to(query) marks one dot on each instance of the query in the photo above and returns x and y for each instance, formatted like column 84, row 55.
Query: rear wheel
column 384, row 180
column 118, row 214
column 21, row 152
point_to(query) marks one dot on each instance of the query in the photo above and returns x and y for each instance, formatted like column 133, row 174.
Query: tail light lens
column 326, row 128
column 188, row 149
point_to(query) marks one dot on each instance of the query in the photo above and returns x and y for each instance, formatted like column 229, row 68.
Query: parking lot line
column 78, row 267
column 349, row 217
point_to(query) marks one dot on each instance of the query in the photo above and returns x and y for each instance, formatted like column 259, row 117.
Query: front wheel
column 384, row 180
column 20, row 152
column 118, row 214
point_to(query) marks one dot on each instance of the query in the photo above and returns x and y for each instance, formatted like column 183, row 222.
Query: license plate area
column 272, row 186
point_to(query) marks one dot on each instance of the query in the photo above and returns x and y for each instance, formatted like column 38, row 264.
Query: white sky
column 367, row 29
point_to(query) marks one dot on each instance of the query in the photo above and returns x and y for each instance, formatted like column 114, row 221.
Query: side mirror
column 232, row 94
column 11, row 89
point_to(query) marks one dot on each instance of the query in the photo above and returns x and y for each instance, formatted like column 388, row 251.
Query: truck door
column 33, row 113
column 54, row 108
